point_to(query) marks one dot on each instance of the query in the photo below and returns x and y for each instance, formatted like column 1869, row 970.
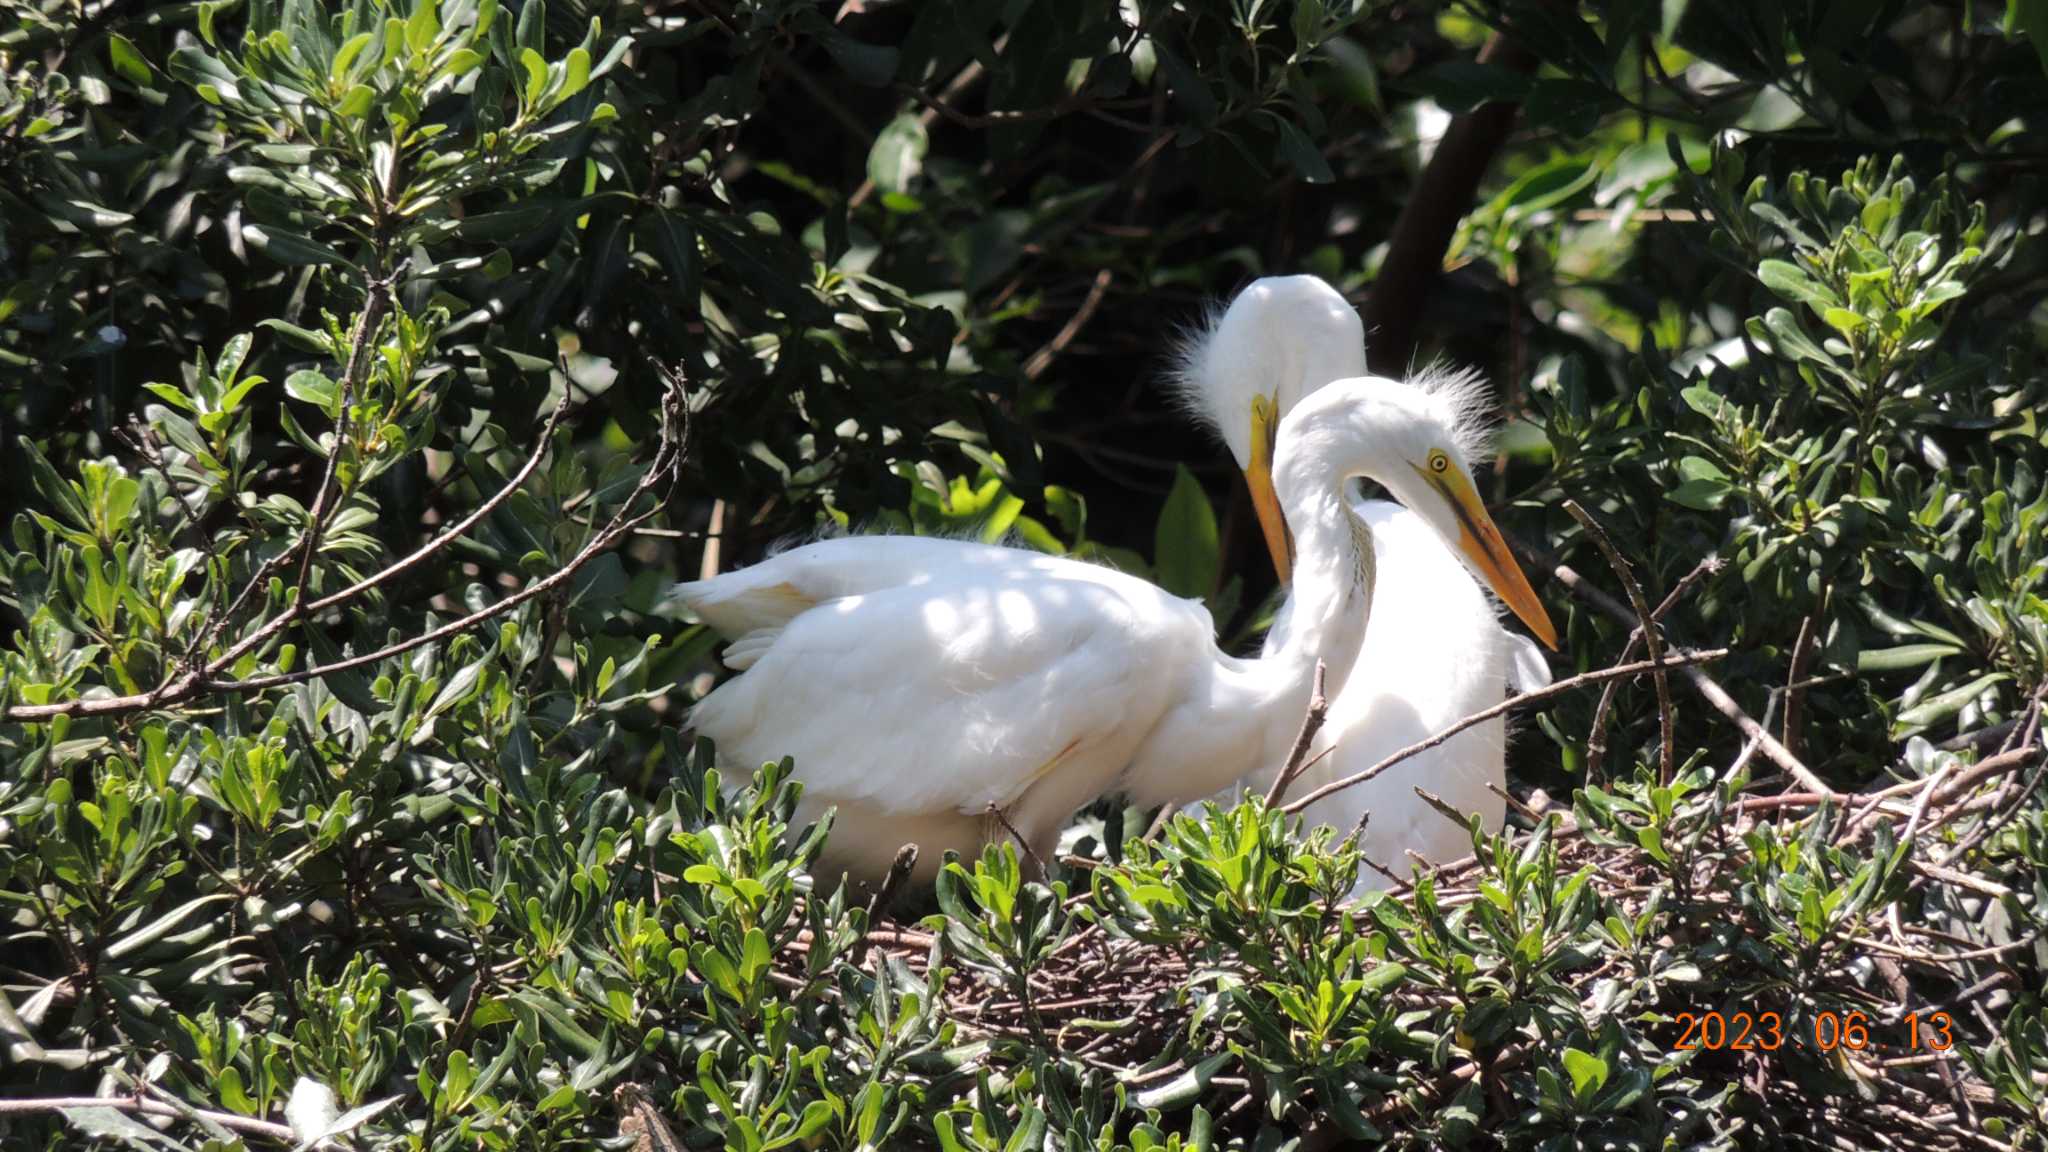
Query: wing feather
column 956, row 687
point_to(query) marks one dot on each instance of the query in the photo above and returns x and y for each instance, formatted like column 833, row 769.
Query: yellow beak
column 1481, row 543
column 1258, row 475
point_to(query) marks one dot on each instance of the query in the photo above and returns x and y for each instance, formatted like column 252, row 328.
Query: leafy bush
column 370, row 368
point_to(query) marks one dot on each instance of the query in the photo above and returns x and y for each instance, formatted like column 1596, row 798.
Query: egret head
column 1416, row 438
column 1282, row 338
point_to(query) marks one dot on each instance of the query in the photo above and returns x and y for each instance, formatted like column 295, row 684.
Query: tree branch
column 663, row 469
column 1646, row 624
column 1440, row 199
column 1701, row 682
column 1679, row 660
column 1312, row 723
column 279, row 1132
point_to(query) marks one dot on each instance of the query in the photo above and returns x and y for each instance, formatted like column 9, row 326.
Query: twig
column 1700, row 681
column 1444, row 809
column 1311, row 723
column 281, row 1133
column 1596, row 734
column 1920, row 806
column 1509, row 798
column 1680, row 660
column 968, row 77
column 1441, row 197
column 1647, row 623
column 456, row 530
column 996, row 810
column 1795, row 688
column 369, row 322
column 663, row 469
column 1039, row 361
column 899, row 871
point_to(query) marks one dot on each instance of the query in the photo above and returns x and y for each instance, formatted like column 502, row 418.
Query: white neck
column 1244, row 718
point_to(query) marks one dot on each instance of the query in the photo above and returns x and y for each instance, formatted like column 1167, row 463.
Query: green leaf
column 1701, row 495
column 423, row 25
column 2031, row 18
column 1699, row 468
column 1186, row 1088
column 1874, row 660
column 290, row 248
column 1588, row 1072
column 344, row 60
column 898, row 154
column 536, row 76
column 1184, row 544
column 54, row 489
column 575, row 73
column 121, row 52
column 1791, row 340
column 1947, row 704
column 356, row 101
column 1792, row 283
column 1301, row 152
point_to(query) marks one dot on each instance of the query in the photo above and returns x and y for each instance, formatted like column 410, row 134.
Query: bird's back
column 921, row 680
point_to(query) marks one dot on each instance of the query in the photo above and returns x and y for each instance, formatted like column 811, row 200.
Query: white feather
column 312, row 1111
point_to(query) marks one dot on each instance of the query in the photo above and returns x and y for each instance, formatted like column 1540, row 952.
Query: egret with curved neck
column 917, row 682
column 1434, row 652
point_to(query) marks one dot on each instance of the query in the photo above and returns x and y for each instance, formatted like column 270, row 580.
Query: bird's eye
column 1438, row 461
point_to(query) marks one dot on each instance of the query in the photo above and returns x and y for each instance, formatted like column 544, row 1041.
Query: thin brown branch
column 1422, row 232
column 1646, row 623
column 661, row 471
column 1596, row 733
column 1701, row 682
column 1795, row 688
column 1679, row 660
column 369, row 322
column 1001, row 817
column 281, row 1133
column 461, row 527
column 899, row 872
column 1311, row 723
column 1043, row 358
column 968, row 77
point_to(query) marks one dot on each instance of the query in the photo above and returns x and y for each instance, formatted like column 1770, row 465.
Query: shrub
column 370, row 368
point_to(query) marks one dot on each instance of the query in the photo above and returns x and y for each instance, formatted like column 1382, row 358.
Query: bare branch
column 1318, row 708
column 1701, row 682
column 1646, row 623
column 1679, row 660
column 281, row 1133
column 661, row 472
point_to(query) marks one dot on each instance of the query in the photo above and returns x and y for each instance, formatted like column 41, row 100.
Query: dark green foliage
column 368, row 369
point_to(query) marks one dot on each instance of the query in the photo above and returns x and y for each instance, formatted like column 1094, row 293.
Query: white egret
column 918, row 681
column 1434, row 649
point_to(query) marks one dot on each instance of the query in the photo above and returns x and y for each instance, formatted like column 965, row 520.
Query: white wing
column 914, row 675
